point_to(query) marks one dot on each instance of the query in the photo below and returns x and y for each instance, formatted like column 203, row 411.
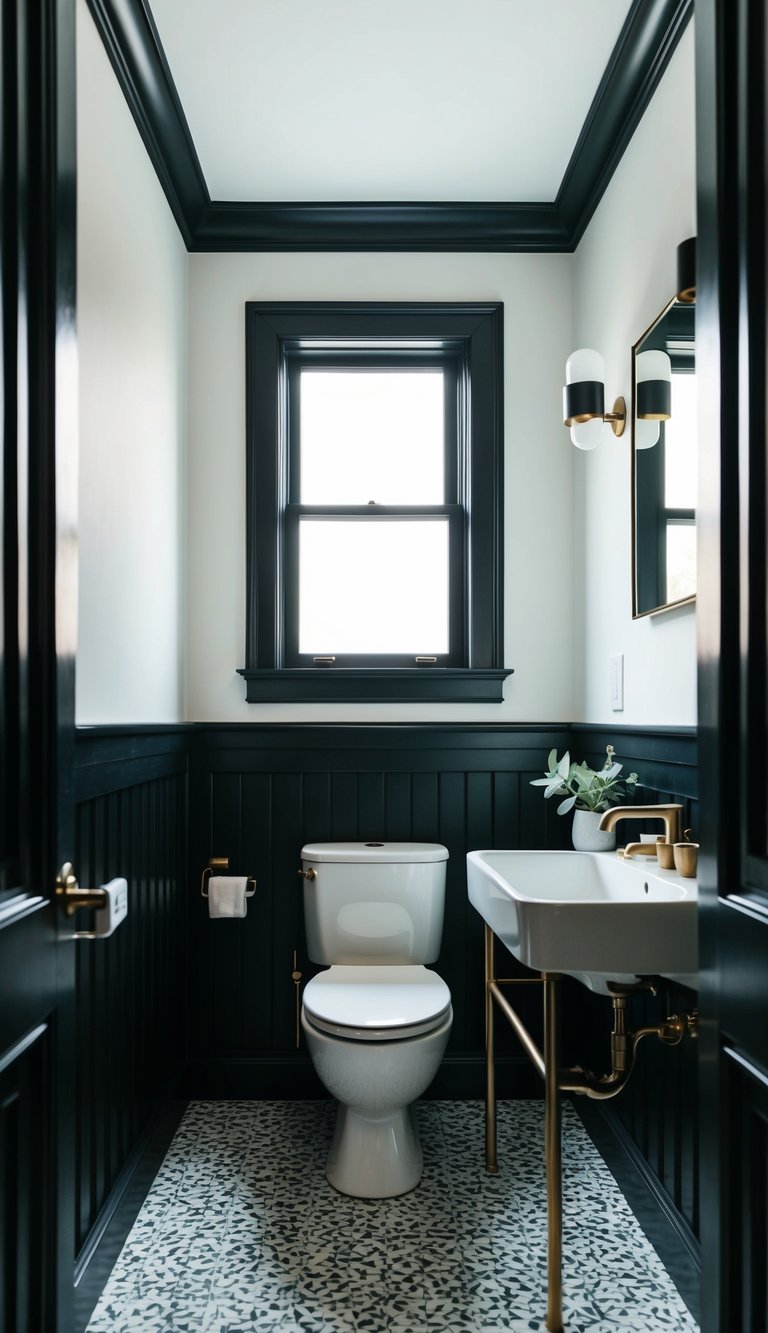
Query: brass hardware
column 553, row 1153
column 617, row 418
column 72, row 897
column 665, row 854
column 323, row 661
column 521, row 1031
column 491, row 1164
column 637, row 849
column 425, row 661
column 308, row 874
column 624, row 1043
column 669, row 813
column 218, row 865
column 686, row 856
column 296, row 979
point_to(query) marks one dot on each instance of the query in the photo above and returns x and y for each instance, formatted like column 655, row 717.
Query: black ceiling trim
column 383, row 226
column 645, row 46
column 130, row 37
column 646, row 43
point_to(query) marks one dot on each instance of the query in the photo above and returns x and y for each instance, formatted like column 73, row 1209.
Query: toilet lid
column 377, row 1003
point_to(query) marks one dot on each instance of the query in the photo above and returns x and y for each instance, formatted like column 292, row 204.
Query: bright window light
column 373, row 586
column 680, row 446
column 681, row 561
column 372, row 435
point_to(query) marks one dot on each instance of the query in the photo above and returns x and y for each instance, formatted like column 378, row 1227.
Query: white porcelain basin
column 588, row 914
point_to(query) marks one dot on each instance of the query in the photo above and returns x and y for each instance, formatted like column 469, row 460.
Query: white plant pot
column 588, row 836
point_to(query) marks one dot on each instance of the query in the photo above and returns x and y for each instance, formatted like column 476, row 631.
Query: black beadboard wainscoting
column 655, row 1119
column 178, row 1004
column 257, row 793
column 130, row 790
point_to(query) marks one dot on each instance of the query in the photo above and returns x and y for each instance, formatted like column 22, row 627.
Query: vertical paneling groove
column 130, row 1014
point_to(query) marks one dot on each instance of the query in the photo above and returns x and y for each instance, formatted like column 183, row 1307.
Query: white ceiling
column 364, row 100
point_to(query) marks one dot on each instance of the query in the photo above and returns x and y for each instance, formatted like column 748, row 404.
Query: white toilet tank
column 374, row 902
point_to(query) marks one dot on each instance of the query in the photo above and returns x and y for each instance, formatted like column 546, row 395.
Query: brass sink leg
column 553, row 1153
column 491, row 1164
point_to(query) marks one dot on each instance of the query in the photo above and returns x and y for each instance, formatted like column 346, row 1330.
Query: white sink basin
column 588, row 914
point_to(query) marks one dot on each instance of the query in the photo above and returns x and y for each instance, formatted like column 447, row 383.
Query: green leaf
column 566, row 805
column 564, row 766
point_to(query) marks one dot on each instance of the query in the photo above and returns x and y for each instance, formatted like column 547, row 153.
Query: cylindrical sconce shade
column 653, row 377
column 647, row 434
column 584, row 392
column 686, row 271
column 587, row 434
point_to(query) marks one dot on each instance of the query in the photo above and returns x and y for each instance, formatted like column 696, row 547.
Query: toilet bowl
column 377, row 1020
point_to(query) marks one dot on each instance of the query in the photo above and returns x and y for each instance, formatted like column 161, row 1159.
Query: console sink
column 588, row 914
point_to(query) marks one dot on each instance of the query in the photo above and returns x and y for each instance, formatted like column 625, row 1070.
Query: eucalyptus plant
column 582, row 787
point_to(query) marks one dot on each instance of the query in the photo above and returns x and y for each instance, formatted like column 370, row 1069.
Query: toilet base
column 374, row 1156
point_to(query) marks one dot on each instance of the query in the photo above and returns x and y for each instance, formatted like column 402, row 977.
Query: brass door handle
column 71, row 896
column 308, row 874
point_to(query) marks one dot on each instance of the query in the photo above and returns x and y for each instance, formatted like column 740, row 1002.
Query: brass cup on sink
column 665, row 854
column 686, row 858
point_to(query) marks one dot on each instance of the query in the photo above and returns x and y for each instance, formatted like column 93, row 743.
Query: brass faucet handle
column 639, row 849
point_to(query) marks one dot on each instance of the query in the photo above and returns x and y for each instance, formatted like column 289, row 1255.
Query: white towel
column 226, row 895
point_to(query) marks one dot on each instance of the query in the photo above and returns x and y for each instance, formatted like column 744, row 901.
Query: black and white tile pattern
column 241, row 1231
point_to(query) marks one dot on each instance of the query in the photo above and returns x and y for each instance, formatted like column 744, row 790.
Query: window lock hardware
column 323, row 661
column 425, row 661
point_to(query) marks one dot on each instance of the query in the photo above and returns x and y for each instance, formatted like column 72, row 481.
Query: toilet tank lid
column 374, row 851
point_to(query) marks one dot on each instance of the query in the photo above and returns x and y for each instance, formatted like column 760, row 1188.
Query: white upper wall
column 539, row 526
column 132, row 327
column 624, row 275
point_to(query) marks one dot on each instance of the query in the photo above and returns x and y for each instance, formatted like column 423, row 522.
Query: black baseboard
column 665, row 1227
column 106, row 1238
column 292, row 1077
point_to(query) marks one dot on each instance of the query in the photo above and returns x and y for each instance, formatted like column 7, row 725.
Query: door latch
column 109, row 901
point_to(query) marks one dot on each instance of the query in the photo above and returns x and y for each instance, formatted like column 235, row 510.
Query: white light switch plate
column 617, row 682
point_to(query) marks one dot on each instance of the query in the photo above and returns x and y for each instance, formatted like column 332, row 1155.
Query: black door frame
column 731, row 313
column 38, row 400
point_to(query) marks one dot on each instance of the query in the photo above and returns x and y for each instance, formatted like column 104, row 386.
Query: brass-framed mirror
column 664, row 463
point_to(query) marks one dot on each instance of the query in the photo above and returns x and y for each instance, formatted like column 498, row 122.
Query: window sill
column 483, row 685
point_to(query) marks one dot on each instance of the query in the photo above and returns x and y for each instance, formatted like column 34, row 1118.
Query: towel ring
column 217, row 864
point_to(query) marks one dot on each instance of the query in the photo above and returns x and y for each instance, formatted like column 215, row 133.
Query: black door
column 732, row 55
column 38, row 626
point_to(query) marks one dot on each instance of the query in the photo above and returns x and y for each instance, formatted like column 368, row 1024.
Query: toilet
column 376, row 1021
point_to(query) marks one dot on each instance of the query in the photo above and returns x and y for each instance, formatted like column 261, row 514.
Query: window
column 374, row 493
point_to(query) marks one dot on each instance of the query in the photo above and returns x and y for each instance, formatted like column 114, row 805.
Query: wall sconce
column 686, row 271
column 653, row 396
column 584, row 400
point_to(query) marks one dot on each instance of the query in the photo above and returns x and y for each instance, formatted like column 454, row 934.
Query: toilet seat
column 380, row 1003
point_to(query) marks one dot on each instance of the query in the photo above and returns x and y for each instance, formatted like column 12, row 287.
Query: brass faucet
column 669, row 813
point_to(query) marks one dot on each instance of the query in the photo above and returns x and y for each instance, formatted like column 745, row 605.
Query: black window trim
column 276, row 331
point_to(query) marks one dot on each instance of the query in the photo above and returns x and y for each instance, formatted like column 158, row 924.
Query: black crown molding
column 644, row 48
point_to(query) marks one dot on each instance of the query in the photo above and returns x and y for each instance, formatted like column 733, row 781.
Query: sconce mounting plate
column 618, row 417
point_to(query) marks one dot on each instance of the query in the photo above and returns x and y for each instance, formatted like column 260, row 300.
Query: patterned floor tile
column 241, row 1233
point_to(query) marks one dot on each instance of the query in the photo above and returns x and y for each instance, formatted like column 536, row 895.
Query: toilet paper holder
column 219, row 865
